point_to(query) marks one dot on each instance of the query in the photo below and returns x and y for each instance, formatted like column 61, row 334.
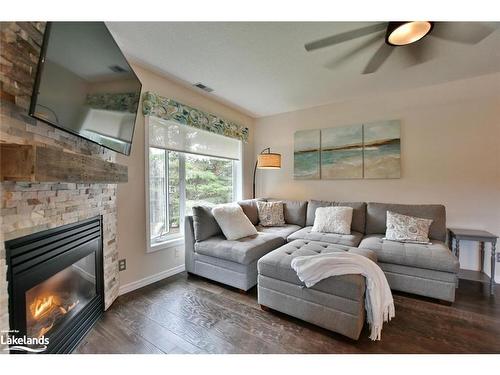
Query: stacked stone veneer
column 32, row 207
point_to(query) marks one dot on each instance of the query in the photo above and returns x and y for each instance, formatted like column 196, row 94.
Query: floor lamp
column 266, row 160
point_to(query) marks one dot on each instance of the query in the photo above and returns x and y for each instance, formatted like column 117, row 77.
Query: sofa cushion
column 358, row 214
column 204, row 223
column 376, row 217
column 243, row 251
column 295, row 211
column 283, row 231
column 277, row 265
column 434, row 256
column 306, row 233
column 249, row 207
column 420, row 273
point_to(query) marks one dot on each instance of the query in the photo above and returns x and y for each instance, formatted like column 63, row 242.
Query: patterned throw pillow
column 407, row 228
column 333, row 220
column 271, row 214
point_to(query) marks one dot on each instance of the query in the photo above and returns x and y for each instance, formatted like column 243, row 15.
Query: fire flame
column 41, row 306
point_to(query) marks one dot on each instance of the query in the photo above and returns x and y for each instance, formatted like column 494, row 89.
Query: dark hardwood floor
column 187, row 314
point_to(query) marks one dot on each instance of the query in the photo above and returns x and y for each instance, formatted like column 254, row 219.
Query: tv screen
column 84, row 85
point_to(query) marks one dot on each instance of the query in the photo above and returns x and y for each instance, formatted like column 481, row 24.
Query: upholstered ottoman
column 336, row 303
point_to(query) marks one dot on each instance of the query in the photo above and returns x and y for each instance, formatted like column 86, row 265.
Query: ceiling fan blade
column 419, row 52
column 378, row 58
column 462, row 32
column 366, row 44
column 343, row 37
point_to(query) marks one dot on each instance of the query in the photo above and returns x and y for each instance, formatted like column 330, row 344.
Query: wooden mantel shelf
column 37, row 163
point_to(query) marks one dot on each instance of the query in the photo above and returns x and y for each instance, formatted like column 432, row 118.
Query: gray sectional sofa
column 336, row 303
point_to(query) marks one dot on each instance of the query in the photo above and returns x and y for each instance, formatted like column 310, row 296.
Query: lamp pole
column 268, row 149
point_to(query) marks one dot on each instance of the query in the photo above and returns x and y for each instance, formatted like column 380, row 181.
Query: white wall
column 131, row 196
column 450, row 153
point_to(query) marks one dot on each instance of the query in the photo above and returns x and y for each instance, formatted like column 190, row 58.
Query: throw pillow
column 271, row 214
column 333, row 220
column 233, row 221
column 407, row 228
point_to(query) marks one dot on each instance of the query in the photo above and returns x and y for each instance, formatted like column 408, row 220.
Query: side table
column 480, row 236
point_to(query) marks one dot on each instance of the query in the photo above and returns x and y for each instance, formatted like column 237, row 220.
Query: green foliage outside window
column 208, row 181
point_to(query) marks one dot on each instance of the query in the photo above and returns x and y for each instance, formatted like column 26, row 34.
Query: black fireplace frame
column 36, row 257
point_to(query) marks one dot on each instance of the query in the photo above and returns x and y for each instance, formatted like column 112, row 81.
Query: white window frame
column 176, row 240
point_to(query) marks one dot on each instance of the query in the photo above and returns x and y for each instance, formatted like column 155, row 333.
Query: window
column 179, row 180
column 163, row 194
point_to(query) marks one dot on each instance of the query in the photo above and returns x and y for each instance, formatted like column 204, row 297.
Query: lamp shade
column 269, row 161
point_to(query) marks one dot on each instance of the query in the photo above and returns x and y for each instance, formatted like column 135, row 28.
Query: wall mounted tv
column 85, row 86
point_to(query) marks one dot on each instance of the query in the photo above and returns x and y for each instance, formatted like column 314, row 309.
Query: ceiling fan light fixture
column 404, row 33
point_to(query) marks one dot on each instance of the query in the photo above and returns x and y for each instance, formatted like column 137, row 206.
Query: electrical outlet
column 498, row 257
column 122, row 264
column 177, row 253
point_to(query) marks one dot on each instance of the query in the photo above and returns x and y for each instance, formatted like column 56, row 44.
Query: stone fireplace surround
column 28, row 208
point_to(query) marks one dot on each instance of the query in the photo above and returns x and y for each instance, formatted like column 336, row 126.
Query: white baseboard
column 150, row 279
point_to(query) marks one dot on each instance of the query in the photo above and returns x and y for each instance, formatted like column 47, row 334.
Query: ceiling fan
column 410, row 35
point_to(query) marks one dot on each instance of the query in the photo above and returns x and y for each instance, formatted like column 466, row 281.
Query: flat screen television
column 85, row 86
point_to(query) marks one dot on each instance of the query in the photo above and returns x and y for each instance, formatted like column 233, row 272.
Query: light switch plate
column 122, row 264
column 498, row 257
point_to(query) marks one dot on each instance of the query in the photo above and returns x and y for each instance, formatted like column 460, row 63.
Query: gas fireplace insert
column 56, row 284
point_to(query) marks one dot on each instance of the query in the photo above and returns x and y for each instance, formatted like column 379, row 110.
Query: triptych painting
column 349, row 152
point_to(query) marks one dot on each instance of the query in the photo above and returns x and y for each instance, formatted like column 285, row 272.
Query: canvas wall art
column 342, row 152
column 358, row 151
column 382, row 150
column 306, row 155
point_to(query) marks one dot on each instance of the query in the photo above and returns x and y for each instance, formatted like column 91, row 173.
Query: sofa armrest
column 189, row 243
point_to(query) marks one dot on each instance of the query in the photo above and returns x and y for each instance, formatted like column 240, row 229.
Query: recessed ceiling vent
column 117, row 69
column 203, row 87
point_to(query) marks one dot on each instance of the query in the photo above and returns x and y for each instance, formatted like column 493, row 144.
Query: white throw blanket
column 378, row 301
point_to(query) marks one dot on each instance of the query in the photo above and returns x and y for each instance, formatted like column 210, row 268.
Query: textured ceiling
column 263, row 68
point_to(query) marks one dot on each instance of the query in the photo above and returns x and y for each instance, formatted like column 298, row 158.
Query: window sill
column 168, row 244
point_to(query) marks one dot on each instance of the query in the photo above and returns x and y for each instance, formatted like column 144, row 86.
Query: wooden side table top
column 472, row 234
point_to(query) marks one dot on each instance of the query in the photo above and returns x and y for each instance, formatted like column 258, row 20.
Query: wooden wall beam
column 37, row 163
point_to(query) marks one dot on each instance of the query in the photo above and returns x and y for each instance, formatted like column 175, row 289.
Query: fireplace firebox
column 56, row 284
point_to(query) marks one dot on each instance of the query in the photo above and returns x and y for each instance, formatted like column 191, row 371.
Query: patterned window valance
column 123, row 102
column 168, row 109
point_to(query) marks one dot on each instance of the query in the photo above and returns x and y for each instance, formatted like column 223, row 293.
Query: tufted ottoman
column 336, row 303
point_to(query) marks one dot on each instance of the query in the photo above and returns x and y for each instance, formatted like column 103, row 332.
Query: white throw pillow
column 407, row 228
column 333, row 220
column 271, row 214
column 233, row 221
